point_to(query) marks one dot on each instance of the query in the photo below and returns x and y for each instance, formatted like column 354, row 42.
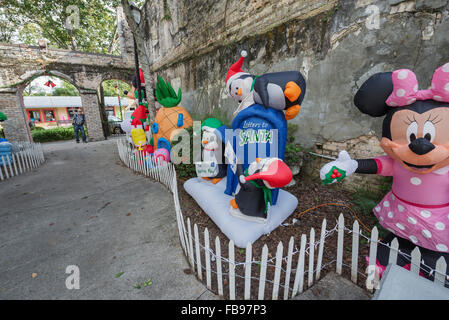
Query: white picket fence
column 296, row 277
column 25, row 156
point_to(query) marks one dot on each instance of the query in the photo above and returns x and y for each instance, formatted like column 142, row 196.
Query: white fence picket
column 13, row 156
column 277, row 272
column 341, row 226
column 207, row 258
column 248, row 264
column 440, row 271
column 311, row 256
column 298, row 285
column 263, row 272
column 355, row 251
column 4, row 167
column 219, row 270
column 190, row 236
column 231, row 271
column 394, row 248
column 321, row 250
column 416, row 260
column 289, row 267
column 372, row 278
column 198, row 255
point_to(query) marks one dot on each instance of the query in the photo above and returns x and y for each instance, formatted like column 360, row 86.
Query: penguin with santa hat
column 253, row 200
column 213, row 166
column 279, row 90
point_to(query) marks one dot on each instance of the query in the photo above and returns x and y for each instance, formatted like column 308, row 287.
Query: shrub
column 56, row 134
column 186, row 171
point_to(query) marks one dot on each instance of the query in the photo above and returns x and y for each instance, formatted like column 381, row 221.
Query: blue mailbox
column 257, row 132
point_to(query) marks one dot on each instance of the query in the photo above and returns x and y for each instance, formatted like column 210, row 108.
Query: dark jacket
column 79, row 120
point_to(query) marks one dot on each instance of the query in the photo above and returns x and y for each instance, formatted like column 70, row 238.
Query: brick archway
column 86, row 71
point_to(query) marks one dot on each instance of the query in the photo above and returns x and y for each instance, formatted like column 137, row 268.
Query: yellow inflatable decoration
column 139, row 138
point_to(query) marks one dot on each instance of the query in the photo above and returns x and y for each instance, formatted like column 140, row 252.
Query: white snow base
column 212, row 199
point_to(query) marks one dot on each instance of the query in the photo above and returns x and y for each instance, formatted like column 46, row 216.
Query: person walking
column 78, row 125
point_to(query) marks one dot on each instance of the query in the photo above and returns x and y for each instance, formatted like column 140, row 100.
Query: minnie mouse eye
column 412, row 131
column 429, row 131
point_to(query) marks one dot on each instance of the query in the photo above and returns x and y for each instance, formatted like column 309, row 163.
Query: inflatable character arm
column 338, row 169
column 261, row 86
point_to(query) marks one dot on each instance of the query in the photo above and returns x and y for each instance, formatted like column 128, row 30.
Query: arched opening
column 114, row 104
column 50, row 102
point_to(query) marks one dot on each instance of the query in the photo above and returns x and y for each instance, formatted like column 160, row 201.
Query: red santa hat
column 277, row 174
column 142, row 78
column 235, row 70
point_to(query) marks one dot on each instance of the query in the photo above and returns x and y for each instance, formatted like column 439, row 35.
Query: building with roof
column 48, row 111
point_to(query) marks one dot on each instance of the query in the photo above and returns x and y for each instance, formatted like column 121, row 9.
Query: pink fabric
column 410, row 210
column 406, row 89
column 380, row 269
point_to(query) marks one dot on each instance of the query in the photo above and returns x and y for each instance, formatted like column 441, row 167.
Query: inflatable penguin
column 213, row 166
column 279, row 90
column 252, row 201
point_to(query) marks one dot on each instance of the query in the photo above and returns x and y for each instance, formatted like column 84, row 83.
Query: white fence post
column 440, row 271
column 219, row 270
column 373, row 277
column 289, row 267
column 248, row 260
column 277, row 272
column 416, row 261
column 207, row 258
column 231, row 271
column 394, row 248
column 341, row 229
column 263, row 272
column 321, row 250
column 311, row 256
column 198, row 255
column 355, row 251
column 298, row 285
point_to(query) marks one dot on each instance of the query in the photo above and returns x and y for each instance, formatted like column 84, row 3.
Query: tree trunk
column 144, row 57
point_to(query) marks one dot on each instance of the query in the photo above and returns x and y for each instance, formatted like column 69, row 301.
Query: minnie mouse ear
column 370, row 98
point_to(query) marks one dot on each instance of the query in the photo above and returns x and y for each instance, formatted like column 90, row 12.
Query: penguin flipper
column 292, row 112
column 261, row 87
column 292, row 91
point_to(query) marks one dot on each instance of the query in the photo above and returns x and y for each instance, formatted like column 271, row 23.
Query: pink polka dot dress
column 417, row 207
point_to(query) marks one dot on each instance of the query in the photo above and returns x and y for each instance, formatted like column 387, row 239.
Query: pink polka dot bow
column 406, row 90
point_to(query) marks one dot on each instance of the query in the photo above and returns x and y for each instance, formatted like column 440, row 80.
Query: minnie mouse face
column 415, row 134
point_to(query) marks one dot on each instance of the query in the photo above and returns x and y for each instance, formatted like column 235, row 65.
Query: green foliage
column 2, row 116
column 31, row 20
column 66, row 89
column 56, row 134
column 36, row 129
column 365, row 200
column 165, row 94
column 293, row 151
column 110, row 88
column 186, row 171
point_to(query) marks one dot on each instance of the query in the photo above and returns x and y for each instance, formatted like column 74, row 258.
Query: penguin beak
column 239, row 92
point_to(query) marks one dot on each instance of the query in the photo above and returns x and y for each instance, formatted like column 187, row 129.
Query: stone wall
column 337, row 45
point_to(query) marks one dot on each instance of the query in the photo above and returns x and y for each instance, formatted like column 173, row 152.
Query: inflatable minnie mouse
column 415, row 137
